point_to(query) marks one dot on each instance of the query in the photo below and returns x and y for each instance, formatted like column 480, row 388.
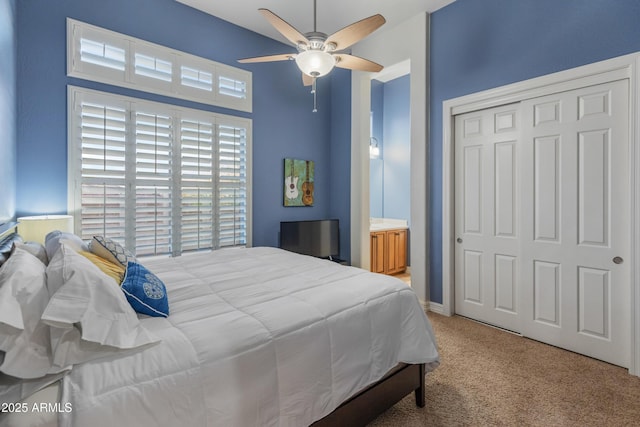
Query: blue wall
column 340, row 157
column 397, row 148
column 283, row 122
column 390, row 176
column 376, row 166
column 481, row 44
column 8, row 107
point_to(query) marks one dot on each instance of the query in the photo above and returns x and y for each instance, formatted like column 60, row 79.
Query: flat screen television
column 319, row 238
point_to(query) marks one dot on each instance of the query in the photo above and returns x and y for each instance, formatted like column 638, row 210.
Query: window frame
column 76, row 95
column 129, row 79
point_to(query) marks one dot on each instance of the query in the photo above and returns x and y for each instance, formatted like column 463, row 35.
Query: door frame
column 619, row 68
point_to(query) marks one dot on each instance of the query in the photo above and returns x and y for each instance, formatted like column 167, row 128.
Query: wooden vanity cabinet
column 378, row 252
column 389, row 251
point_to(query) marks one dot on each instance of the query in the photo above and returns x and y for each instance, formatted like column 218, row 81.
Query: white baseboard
column 435, row 307
column 432, row 306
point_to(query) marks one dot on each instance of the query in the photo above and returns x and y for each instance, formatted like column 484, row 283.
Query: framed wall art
column 298, row 182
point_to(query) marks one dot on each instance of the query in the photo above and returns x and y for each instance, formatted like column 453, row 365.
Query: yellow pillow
column 113, row 270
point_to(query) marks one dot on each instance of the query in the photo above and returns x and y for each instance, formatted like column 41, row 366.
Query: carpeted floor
column 488, row 377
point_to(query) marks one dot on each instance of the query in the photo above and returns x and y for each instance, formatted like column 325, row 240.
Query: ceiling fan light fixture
column 315, row 63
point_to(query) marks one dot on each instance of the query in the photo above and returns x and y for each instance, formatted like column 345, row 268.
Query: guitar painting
column 307, row 189
column 291, row 184
column 298, row 171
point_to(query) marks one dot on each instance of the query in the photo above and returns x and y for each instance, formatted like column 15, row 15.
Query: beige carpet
column 488, row 377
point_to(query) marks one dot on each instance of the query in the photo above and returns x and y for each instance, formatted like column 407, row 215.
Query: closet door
column 487, row 145
column 542, row 219
column 575, row 221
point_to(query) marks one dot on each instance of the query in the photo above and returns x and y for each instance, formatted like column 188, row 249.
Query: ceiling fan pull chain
column 315, row 95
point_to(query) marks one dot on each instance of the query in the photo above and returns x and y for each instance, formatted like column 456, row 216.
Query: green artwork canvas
column 298, row 182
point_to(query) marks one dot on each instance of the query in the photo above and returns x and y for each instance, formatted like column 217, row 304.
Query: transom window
column 105, row 56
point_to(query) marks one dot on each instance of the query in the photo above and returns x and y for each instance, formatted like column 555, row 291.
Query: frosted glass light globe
column 315, row 63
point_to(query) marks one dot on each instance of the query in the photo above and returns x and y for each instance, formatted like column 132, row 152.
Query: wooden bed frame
column 366, row 405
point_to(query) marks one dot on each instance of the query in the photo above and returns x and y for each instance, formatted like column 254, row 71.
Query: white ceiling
column 332, row 15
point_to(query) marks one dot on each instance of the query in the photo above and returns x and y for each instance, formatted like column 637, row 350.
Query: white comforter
column 256, row 337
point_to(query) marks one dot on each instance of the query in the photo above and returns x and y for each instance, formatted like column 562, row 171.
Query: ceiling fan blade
column 352, row 62
column 355, row 32
column 307, row 80
column 286, row 29
column 269, row 58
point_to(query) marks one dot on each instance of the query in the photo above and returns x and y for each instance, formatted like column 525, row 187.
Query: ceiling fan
column 318, row 53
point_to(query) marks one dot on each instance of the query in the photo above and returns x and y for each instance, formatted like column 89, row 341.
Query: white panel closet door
column 542, row 219
column 575, row 221
column 486, row 206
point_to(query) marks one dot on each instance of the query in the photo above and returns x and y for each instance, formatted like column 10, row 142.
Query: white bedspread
column 256, row 337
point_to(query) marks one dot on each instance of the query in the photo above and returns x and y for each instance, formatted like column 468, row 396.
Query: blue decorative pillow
column 144, row 291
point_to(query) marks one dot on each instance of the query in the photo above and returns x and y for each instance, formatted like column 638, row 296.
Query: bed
column 255, row 337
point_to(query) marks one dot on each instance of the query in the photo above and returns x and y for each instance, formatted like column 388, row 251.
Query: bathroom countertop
column 383, row 224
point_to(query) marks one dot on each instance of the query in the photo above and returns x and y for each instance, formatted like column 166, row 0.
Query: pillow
column 110, row 250
column 115, row 271
column 23, row 298
column 6, row 244
column 54, row 239
column 22, row 281
column 34, row 248
column 145, row 292
column 89, row 316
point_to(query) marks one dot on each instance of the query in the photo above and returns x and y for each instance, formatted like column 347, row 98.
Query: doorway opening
column 390, row 169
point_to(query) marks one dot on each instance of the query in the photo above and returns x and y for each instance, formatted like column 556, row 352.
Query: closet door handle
column 459, row 240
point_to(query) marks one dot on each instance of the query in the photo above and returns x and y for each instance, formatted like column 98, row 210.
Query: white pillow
column 88, row 313
column 54, row 239
column 23, row 298
column 36, row 249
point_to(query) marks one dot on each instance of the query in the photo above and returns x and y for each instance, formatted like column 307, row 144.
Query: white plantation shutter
column 232, row 185
column 105, row 56
column 102, row 54
column 101, row 150
column 195, row 78
column 153, row 222
column 152, row 67
column 94, row 53
column 103, row 212
column 197, row 184
column 153, row 187
column 158, row 179
column 232, row 87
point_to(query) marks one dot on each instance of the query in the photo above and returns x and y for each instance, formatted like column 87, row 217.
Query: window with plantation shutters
column 157, row 178
column 232, row 187
column 105, row 56
column 102, row 54
column 197, row 178
column 195, row 78
column 153, row 182
column 100, row 154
